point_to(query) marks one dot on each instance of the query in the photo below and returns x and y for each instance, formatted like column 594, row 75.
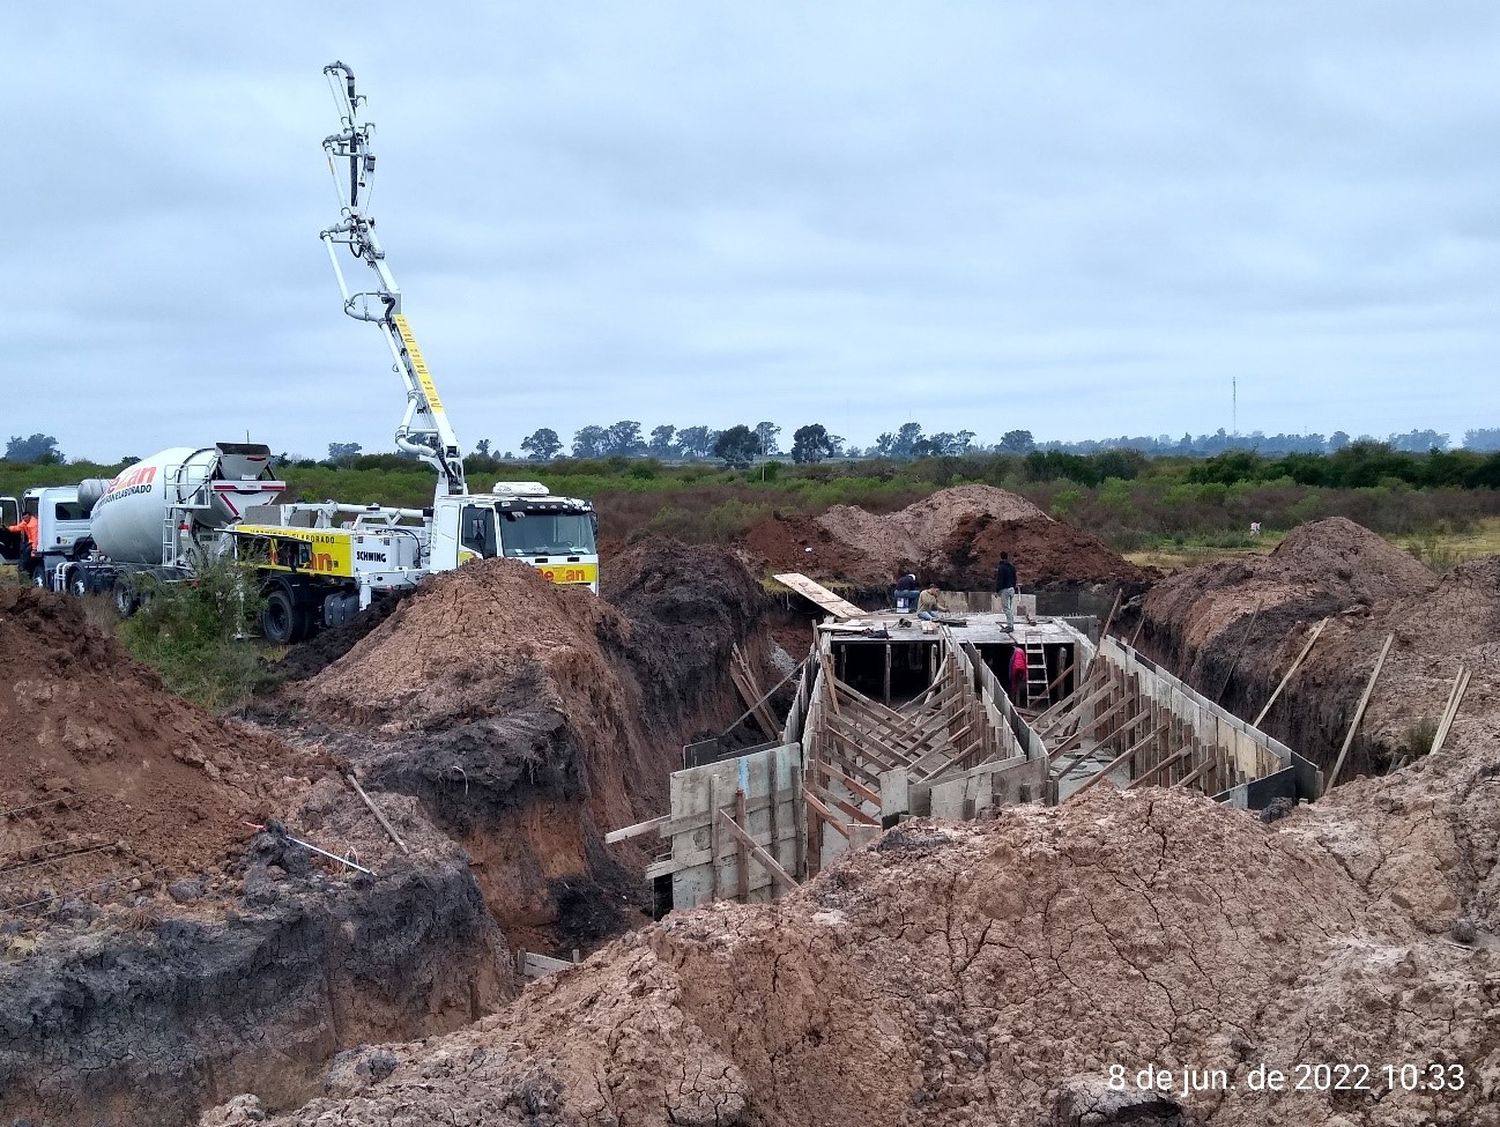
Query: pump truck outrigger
column 319, row 563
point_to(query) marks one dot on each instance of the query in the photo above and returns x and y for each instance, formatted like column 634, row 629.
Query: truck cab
column 519, row 520
column 62, row 528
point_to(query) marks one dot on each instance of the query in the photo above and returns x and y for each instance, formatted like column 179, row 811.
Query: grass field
column 1178, row 556
column 1439, row 550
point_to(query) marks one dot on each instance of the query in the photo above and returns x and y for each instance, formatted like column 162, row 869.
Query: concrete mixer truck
column 159, row 517
column 319, row 563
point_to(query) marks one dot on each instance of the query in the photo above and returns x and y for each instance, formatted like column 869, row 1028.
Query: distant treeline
column 1129, row 499
column 1361, row 465
column 741, row 445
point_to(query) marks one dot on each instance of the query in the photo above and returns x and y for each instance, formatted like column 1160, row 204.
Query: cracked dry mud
column 984, row 973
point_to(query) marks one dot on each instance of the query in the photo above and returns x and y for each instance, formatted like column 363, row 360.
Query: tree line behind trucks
column 317, row 564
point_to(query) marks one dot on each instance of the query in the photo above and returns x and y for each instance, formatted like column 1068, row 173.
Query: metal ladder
column 188, row 498
column 1036, row 674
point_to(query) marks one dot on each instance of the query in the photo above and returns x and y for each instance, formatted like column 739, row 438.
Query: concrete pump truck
column 352, row 557
column 317, row 563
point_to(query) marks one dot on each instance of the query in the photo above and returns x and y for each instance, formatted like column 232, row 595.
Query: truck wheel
column 125, row 599
column 279, row 620
column 39, row 576
column 78, row 583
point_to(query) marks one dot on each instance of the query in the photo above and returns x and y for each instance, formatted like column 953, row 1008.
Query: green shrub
column 1065, row 501
column 1417, row 741
column 195, row 634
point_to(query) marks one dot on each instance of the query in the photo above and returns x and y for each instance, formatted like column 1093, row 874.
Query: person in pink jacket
column 1017, row 675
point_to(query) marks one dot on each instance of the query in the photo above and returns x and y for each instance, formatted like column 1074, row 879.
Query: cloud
column 1078, row 218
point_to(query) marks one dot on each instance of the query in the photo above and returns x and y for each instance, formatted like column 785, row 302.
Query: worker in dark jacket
column 1005, row 583
column 906, row 593
column 30, row 533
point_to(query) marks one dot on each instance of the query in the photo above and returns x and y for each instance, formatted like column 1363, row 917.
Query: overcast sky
column 1083, row 219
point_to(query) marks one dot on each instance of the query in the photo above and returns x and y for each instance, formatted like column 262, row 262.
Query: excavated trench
column 503, row 725
column 500, row 723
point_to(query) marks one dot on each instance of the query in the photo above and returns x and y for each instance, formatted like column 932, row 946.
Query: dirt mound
column 980, row 973
column 1044, row 551
column 467, row 646
column 953, row 537
column 1426, row 836
column 1421, row 839
column 1234, row 626
column 327, row 646
column 904, row 540
column 1324, row 568
column 529, row 718
column 107, row 776
column 797, row 542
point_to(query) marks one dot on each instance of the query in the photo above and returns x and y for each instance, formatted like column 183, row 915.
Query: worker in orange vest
column 30, row 533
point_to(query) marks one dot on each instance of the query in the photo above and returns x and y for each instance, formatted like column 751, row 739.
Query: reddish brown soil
column 1427, row 837
column 984, row 973
column 1424, row 840
column 953, row 537
column 1044, row 551
column 797, row 542
column 1233, row 627
column 99, row 756
column 531, row 718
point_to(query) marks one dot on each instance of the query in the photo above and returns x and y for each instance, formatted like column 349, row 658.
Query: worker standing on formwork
column 1005, row 584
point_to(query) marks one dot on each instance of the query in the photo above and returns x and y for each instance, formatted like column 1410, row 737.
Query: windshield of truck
column 476, row 530
column 547, row 534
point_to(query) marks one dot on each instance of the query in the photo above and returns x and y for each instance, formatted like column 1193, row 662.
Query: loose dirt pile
column 1424, row 840
column 953, row 537
column 327, row 646
column 687, row 606
column 911, row 534
column 1233, row 627
column 797, row 542
column 979, row 973
column 1328, row 567
column 1046, row 552
column 1427, row 837
column 529, row 718
column 107, row 776
column 907, row 540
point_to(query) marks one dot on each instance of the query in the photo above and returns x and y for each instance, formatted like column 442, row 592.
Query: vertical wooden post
column 799, row 826
column 1164, row 745
column 742, row 855
column 774, row 849
column 713, row 832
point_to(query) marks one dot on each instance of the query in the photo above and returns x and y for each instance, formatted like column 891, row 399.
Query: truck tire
column 78, row 582
column 126, row 601
column 39, row 576
column 282, row 621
